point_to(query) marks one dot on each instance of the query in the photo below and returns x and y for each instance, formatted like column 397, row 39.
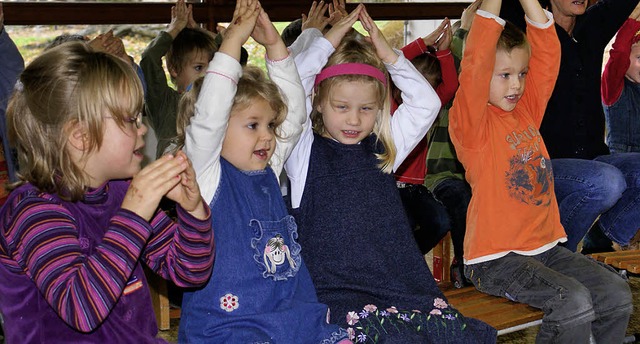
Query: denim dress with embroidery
column 623, row 120
column 260, row 290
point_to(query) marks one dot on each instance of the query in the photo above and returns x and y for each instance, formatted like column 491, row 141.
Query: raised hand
column 153, row 182
column 339, row 29
column 180, row 14
column 444, row 41
column 432, row 38
column 316, row 18
column 468, row 14
column 265, row 34
column 244, row 20
column 383, row 49
column 191, row 23
column 337, row 11
column 187, row 192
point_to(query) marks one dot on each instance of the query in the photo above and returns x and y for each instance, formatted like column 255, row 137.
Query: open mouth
column 261, row 153
column 351, row 133
column 139, row 152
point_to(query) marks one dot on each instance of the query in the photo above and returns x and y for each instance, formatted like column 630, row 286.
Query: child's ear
column 172, row 71
column 78, row 136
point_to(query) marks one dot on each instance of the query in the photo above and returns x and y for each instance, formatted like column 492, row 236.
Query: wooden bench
column 500, row 313
column 622, row 260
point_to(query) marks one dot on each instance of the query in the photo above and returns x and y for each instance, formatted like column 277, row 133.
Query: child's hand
column 432, row 38
column 266, row 35
column 337, row 11
column 468, row 14
column 179, row 18
column 339, row 29
column 187, row 192
column 241, row 27
column 151, row 183
column 444, row 41
column 383, row 49
column 316, row 18
column 191, row 23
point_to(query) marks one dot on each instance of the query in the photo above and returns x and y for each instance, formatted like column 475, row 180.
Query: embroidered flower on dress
column 384, row 313
column 370, row 308
column 404, row 317
column 450, row 317
column 439, row 303
column 229, row 302
column 352, row 318
column 363, row 314
column 351, row 332
column 435, row 311
column 392, row 310
column 362, row 338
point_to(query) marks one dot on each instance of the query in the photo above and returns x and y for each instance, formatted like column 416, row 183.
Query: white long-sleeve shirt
column 205, row 133
column 409, row 123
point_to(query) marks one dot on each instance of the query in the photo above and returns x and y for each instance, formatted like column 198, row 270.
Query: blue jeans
column 607, row 187
column 455, row 194
column 578, row 295
column 424, row 210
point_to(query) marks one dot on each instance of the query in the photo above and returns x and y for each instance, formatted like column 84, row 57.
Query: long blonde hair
column 354, row 49
column 65, row 86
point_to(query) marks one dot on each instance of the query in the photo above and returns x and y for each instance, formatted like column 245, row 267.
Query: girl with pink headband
column 353, row 230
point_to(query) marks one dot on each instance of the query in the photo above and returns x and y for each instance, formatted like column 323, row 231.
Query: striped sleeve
column 42, row 238
column 182, row 252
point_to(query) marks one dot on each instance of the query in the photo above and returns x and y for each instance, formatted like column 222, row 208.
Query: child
column 12, row 66
column 75, row 233
column 357, row 241
column 620, row 90
column 260, row 290
column 432, row 57
column 188, row 49
column 513, row 223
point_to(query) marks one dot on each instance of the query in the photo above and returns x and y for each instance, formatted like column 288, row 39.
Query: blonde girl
column 354, row 233
column 76, row 230
column 244, row 128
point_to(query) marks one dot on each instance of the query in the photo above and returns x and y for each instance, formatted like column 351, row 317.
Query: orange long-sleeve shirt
column 513, row 206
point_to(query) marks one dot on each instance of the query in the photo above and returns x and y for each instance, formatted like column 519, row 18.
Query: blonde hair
column 66, row 86
column 353, row 49
column 252, row 85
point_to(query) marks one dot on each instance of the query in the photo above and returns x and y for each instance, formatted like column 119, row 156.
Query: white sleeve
column 304, row 40
column 205, row 133
column 419, row 108
column 309, row 63
column 284, row 74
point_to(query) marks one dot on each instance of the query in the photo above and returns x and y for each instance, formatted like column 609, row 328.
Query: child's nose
column 353, row 118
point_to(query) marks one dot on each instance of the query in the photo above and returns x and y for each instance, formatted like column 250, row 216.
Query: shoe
column 457, row 274
column 634, row 244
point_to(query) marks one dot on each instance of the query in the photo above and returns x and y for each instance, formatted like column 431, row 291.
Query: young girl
column 260, row 290
column 356, row 238
column 75, row 230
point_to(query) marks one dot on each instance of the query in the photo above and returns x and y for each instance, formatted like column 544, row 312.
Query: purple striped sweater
column 72, row 272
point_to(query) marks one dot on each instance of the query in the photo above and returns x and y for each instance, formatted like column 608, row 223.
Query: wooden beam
column 59, row 13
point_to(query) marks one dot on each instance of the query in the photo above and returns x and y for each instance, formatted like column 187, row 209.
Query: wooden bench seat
column 623, row 260
column 503, row 315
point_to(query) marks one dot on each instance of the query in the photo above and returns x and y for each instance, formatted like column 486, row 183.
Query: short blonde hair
column 66, row 86
column 252, row 85
column 354, row 49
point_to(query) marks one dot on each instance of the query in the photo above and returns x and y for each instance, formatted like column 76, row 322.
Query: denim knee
column 571, row 307
column 615, row 301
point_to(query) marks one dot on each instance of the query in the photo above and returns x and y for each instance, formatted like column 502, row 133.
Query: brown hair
column 69, row 84
column 512, row 37
column 188, row 41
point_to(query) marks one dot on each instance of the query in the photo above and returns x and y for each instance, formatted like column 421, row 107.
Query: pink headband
column 351, row 68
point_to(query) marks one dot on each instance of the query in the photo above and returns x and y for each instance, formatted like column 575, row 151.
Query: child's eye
column 341, row 107
column 198, row 68
column 504, row 75
column 367, row 108
column 523, row 74
column 272, row 125
column 252, row 125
